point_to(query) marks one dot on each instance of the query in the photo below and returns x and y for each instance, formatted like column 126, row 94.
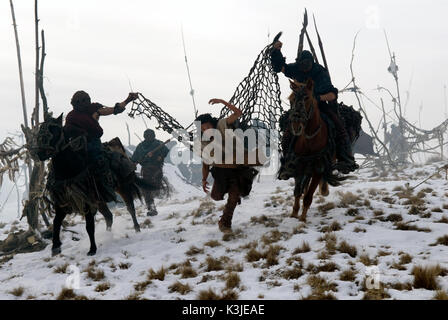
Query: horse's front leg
column 129, row 200
column 308, row 198
column 57, row 223
column 90, row 227
column 107, row 214
column 296, row 207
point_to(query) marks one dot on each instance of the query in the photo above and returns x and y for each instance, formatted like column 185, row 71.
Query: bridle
column 45, row 137
column 300, row 115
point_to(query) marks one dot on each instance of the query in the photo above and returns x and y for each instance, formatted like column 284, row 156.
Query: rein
column 306, row 117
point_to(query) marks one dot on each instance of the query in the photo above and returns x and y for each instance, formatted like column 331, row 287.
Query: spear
column 302, row 33
column 188, row 72
column 321, row 46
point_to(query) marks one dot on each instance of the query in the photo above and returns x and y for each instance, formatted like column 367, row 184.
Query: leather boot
column 346, row 161
column 225, row 223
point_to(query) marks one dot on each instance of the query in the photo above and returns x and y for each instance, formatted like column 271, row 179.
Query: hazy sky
column 97, row 45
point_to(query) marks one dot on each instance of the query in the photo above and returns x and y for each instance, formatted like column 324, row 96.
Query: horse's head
column 302, row 104
column 49, row 138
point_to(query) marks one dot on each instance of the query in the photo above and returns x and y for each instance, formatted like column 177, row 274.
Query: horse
column 314, row 147
column 72, row 187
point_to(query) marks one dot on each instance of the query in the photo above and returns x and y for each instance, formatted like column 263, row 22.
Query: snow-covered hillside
column 371, row 228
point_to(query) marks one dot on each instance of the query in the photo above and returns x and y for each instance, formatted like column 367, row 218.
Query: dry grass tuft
column 69, row 294
column 405, row 258
column 212, row 243
column 442, row 241
column 17, row 292
column 124, row 265
column 271, row 237
column 270, row 254
column 320, row 288
column 352, row 212
column 376, row 294
column 292, row 273
column 426, row 277
column 324, row 208
column 180, row 288
column 444, row 219
column 394, row 217
column 410, row 227
column 95, row 274
column 206, row 207
column 367, row 261
column 141, row 286
column 103, row 287
column 211, row 295
column 194, row 251
column 334, row 226
column 344, row 247
column 347, row 275
column 266, row 221
column 328, row 267
column 213, row 264
column 305, row 247
column 157, row 275
column 61, row 268
column 233, row 280
column 347, row 199
column 441, row 295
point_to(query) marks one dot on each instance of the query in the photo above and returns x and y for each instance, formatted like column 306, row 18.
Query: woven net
column 258, row 96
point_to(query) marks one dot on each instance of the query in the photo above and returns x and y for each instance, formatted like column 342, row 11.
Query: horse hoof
column 91, row 253
column 294, row 216
column 137, row 228
column 303, row 219
column 55, row 251
column 109, row 229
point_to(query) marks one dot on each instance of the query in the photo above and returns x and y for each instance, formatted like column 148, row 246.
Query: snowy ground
column 370, row 224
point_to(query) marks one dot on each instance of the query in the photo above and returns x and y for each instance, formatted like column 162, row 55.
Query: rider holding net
column 326, row 94
column 83, row 120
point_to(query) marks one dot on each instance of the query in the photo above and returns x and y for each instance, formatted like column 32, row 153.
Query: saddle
column 120, row 163
column 352, row 120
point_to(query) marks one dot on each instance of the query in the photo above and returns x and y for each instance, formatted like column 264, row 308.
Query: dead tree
column 33, row 205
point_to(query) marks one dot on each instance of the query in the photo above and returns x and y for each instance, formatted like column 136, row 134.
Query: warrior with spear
column 307, row 67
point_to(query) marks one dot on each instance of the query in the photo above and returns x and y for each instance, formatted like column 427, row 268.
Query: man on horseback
column 326, row 95
column 150, row 154
column 84, row 120
column 229, row 177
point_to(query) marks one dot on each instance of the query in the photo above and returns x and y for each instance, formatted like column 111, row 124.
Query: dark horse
column 71, row 186
column 314, row 147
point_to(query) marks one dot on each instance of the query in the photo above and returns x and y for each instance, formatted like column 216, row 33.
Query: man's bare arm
column 236, row 112
column 106, row 111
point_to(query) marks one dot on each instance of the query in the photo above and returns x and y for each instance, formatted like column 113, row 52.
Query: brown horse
column 313, row 147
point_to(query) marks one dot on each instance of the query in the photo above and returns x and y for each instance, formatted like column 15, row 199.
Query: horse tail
column 141, row 183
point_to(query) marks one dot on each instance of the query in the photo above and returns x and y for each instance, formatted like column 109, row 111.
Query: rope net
column 144, row 106
column 258, row 96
